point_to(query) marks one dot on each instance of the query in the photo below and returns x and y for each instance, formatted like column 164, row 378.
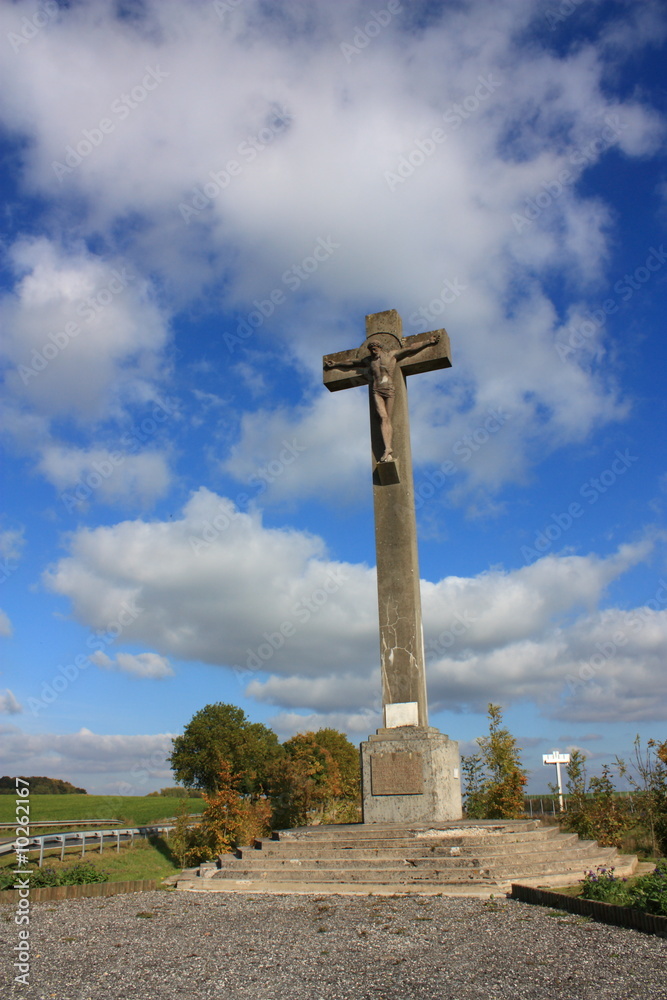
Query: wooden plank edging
column 49, row 892
column 606, row 913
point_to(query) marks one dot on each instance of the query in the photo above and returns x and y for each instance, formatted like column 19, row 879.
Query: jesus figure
column 379, row 370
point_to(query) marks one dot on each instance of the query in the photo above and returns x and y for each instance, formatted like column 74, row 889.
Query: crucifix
column 382, row 362
column 410, row 771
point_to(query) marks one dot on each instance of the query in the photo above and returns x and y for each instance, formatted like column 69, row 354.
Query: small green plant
column 649, row 892
column 604, row 886
column 82, row 873
column 44, row 877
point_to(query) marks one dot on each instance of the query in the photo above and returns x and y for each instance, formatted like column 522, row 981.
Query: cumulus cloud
column 82, row 475
column 11, row 543
column 150, row 665
column 129, row 765
column 8, row 703
column 422, row 216
column 74, row 323
column 84, row 342
column 300, row 630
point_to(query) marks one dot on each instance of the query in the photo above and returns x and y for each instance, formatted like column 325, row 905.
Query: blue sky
column 202, row 199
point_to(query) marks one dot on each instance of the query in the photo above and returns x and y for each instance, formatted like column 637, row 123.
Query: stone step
column 580, row 854
column 303, row 848
column 378, row 876
column 401, row 875
column 415, row 848
column 383, row 831
column 458, row 860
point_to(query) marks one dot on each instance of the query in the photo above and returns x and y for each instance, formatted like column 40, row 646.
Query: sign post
column 557, row 759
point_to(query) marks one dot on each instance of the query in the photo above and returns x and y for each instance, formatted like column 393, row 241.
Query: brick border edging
column 606, row 913
column 45, row 893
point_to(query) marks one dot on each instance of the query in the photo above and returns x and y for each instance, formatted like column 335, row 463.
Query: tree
column 222, row 730
column 305, row 779
column 494, row 779
column 594, row 810
column 228, row 819
column 346, row 756
column 649, row 790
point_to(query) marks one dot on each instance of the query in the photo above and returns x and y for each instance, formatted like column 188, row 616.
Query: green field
column 131, row 810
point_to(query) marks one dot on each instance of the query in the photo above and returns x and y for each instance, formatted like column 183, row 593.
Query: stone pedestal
column 410, row 774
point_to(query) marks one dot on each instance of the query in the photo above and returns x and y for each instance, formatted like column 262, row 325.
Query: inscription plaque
column 399, row 773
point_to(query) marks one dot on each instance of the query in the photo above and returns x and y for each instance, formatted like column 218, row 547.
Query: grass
column 144, row 859
column 133, row 810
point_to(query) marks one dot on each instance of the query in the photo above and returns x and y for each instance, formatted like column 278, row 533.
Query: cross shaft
column 399, row 601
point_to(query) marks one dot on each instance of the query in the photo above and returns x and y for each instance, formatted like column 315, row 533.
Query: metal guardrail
column 71, row 838
column 60, row 822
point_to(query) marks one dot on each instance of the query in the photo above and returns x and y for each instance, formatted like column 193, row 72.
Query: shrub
column 82, row 873
column 227, row 820
column 649, row 892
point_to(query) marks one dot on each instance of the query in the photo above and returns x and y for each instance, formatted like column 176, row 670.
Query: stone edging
column 48, row 892
column 606, row 913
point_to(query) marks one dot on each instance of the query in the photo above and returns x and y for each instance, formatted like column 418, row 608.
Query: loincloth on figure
column 386, row 391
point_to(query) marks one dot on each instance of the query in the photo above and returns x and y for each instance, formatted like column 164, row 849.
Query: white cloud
column 6, row 628
column 301, row 630
column 357, row 725
column 11, row 543
column 217, row 586
column 8, row 703
column 150, row 665
column 82, row 476
column 85, row 341
column 75, row 323
column 450, row 218
column 131, row 765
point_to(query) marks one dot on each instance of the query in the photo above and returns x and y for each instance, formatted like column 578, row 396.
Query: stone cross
column 382, row 362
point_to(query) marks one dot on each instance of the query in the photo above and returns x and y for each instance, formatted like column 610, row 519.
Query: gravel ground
column 170, row 945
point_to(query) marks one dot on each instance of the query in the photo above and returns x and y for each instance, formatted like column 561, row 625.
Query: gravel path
column 168, row 946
